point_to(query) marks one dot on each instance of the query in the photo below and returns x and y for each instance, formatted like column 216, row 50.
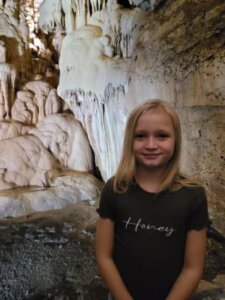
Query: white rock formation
column 50, row 15
column 84, row 63
column 37, row 101
column 66, row 190
column 57, row 41
column 95, row 96
column 7, row 84
column 122, row 25
column 14, row 32
column 24, row 161
column 13, row 16
column 68, row 15
column 12, row 129
column 25, row 109
column 65, row 138
column 93, row 81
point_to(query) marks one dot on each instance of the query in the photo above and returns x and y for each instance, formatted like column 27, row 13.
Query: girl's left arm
column 192, row 270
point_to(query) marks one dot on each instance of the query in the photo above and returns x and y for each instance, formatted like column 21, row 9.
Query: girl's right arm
column 105, row 263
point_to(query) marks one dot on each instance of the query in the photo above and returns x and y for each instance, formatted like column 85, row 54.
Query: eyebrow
column 158, row 130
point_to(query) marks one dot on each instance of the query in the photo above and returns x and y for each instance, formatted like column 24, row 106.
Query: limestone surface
column 10, row 129
column 63, row 191
column 14, row 32
column 65, row 138
column 96, row 96
column 24, row 161
column 35, row 102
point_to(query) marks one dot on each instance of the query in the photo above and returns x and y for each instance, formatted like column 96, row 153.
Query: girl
column 151, row 232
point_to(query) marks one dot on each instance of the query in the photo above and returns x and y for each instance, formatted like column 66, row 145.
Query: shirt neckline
column 147, row 192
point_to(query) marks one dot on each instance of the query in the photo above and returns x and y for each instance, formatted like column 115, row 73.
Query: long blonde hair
column 126, row 170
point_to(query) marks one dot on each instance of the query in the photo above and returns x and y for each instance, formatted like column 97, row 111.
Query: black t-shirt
column 150, row 233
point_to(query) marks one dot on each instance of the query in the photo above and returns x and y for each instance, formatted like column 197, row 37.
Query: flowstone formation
column 45, row 152
column 96, row 96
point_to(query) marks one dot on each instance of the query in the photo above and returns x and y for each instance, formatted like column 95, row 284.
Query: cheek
column 136, row 147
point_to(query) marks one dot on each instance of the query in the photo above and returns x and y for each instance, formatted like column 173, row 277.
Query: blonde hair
column 126, row 170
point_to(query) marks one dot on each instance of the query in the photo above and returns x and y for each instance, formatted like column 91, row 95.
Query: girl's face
column 154, row 140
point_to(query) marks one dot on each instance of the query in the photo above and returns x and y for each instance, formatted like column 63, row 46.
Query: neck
column 150, row 181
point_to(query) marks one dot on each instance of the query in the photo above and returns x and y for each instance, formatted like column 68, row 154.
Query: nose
column 151, row 143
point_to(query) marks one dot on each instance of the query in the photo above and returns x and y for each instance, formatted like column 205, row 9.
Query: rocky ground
column 50, row 255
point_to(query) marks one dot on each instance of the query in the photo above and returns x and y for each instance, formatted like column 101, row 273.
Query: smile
column 151, row 155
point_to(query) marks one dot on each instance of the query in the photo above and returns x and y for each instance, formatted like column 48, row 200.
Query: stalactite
column 51, row 15
column 77, row 13
column 97, row 114
column 7, row 88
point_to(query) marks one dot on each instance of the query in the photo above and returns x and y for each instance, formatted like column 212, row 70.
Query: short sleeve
column 198, row 218
column 107, row 205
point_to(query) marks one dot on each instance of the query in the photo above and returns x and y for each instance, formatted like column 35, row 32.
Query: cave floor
column 50, row 255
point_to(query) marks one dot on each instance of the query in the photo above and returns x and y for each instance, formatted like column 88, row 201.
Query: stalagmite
column 7, row 84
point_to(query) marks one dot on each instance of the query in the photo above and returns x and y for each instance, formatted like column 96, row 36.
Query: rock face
column 36, row 101
column 203, row 154
column 12, row 129
column 29, row 156
column 63, row 190
column 64, row 136
column 14, row 32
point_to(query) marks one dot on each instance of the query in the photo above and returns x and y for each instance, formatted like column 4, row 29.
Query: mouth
column 151, row 155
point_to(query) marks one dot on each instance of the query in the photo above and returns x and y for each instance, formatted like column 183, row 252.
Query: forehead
column 155, row 117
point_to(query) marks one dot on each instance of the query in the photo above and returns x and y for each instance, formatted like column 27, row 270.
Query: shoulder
column 196, row 192
column 189, row 196
column 195, row 198
column 198, row 208
column 108, row 189
column 106, row 207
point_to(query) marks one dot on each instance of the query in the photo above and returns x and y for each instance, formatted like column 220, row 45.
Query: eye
column 163, row 135
column 139, row 135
